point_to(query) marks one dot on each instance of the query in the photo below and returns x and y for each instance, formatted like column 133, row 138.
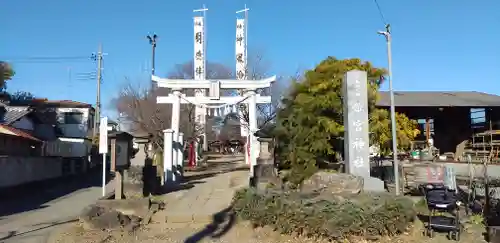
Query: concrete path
column 194, row 210
column 211, row 193
column 34, row 224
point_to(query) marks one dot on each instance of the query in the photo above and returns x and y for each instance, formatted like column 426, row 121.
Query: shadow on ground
column 212, row 173
column 13, row 234
column 222, row 222
column 35, row 195
column 191, row 181
column 179, row 187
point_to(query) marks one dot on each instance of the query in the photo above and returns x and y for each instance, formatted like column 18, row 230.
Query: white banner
column 199, row 48
column 199, row 63
column 241, row 66
column 103, row 135
column 241, row 59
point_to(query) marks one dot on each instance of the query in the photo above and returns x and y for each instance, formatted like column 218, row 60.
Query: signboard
column 356, row 141
column 103, row 136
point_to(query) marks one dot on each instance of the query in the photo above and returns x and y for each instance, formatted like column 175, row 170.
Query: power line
column 380, row 12
column 46, row 59
column 28, row 58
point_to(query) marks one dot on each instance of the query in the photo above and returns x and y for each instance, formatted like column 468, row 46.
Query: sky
column 437, row 44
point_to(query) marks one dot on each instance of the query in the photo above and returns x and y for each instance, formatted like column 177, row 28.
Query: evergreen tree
column 310, row 124
column 6, row 73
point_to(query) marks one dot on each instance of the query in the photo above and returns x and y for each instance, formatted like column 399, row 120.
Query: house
column 65, row 126
column 113, row 126
column 18, row 142
column 16, row 132
column 453, row 119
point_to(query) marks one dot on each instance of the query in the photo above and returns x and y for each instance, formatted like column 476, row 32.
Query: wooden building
column 458, row 121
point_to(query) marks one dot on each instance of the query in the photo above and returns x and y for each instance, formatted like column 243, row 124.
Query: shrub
column 334, row 217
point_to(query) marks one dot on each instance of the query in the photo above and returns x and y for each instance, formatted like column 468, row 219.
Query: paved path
column 35, row 225
column 194, row 212
column 212, row 193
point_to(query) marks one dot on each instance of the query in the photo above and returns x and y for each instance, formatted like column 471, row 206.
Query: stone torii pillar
column 250, row 87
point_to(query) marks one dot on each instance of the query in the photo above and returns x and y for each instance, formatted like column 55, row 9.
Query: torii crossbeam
column 250, row 87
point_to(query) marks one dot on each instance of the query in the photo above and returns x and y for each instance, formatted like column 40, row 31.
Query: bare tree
column 231, row 128
column 138, row 110
column 259, row 68
column 142, row 115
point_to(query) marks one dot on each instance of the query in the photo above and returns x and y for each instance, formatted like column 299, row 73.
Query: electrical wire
column 47, row 59
column 380, row 12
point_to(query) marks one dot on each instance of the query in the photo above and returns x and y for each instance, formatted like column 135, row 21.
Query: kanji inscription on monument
column 356, row 141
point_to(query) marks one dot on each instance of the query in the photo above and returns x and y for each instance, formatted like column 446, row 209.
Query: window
column 90, row 121
column 73, row 118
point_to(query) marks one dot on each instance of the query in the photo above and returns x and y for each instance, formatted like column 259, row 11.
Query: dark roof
column 111, row 122
column 439, row 98
column 266, row 131
column 14, row 113
column 121, row 135
column 55, row 103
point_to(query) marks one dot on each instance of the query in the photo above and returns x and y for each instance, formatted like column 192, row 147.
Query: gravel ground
column 241, row 232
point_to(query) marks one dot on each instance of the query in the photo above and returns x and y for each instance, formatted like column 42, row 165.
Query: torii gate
column 172, row 155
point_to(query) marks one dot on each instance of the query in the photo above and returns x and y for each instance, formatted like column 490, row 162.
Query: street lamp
column 152, row 42
column 388, row 38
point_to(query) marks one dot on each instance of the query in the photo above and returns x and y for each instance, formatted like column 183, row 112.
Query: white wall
column 24, row 123
column 74, row 130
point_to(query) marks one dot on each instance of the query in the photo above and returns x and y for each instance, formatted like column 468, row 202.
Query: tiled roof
column 439, row 98
column 5, row 129
column 14, row 113
column 68, row 103
column 56, row 103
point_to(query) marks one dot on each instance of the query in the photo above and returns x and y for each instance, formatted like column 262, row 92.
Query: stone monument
column 356, row 140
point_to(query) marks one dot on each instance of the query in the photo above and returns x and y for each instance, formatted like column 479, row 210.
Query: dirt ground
column 226, row 229
column 240, row 232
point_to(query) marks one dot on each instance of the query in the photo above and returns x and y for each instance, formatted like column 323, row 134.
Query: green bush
column 334, row 217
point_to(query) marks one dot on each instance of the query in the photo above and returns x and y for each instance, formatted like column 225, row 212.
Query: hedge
column 334, row 217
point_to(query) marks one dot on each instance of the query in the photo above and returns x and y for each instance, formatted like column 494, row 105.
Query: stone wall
column 17, row 170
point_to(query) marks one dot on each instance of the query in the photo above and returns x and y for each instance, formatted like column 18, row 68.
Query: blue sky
column 437, row 45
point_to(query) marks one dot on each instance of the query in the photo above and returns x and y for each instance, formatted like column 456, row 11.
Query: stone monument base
column 373, row 184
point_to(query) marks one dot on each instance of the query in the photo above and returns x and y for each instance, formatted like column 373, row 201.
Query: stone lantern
column 265, row 170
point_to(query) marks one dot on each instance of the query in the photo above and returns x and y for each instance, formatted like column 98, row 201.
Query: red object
column 192, row 159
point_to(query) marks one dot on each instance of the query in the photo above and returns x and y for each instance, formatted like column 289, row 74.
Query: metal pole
column 153, row 58
column 152, row 42
column 393, row 110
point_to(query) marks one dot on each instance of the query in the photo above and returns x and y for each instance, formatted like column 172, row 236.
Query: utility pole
column 97, row 115
column 388, row 38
